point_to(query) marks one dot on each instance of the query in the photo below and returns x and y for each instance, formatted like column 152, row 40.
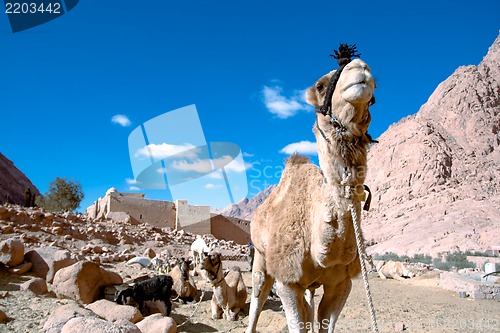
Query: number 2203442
column 32, row 8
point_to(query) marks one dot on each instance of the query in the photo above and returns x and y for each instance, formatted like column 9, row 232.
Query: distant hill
column 13, row 183
column 246, row 208
column 435, row 175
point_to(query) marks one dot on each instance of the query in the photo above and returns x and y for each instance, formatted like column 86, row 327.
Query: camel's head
column 345, row 95
column 210, row 261
column 355, row 85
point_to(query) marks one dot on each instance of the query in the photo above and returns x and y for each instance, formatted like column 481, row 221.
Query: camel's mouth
column 361, row 82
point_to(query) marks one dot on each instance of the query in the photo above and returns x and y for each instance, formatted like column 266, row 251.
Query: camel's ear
column 311, row 96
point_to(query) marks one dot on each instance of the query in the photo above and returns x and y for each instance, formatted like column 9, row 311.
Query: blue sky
column 73, row 90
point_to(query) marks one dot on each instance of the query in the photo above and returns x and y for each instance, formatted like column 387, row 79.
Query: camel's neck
column 220, row 288
column 343, row 153
column 217, row 277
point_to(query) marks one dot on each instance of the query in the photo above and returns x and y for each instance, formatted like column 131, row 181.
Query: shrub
column 63, row 195
column 457, row 260
column 423, row 258
column 390, row 256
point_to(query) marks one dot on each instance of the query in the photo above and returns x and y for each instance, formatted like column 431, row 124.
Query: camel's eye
column 320, row 87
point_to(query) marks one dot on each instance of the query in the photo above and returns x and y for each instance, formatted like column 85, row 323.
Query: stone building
column 178, row 215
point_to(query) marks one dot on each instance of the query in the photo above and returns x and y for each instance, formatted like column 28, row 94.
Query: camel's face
column 356, row 85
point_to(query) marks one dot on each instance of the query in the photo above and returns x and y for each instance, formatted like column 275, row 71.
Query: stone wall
column 230, row 228
column 134, row 208
column 474, row 289
column 99, row 209
column 189, row 217
column 155, row 212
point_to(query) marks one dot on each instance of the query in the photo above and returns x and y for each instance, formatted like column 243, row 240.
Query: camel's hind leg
column 261, row 286
column 332, row 303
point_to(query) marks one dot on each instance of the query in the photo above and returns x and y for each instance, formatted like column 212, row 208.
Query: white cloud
column 131, row 181
column 210, row 186
column 302, row 147
column 206, row 166
column 247, row 155
column 161, row 170
column 133, row 188
column 200, row 166
column 283, row 106
column 121, row 120
column 215, row 175
column 237, row 166
column 164, row 150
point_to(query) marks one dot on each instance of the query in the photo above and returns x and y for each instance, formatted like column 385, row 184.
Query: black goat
column 155, row 288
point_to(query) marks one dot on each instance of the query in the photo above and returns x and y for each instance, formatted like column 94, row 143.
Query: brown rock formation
column 435, row 174
column 13, row 183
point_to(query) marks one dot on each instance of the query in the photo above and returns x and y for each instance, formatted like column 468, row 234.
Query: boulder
column 60, row 316
column 157, row 324
column 95, row 325
column 37, row 286
column 11, row 252
column 151, row 307
column 114, row 312
column 149, row 253
column 47, row 260
column 84, row 281
column 21, row 269
column 3, row 317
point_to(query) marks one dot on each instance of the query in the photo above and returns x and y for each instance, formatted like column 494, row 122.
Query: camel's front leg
column 261, row 286
column 332, row 303
column 309, row 296
column 216, row 309
column 295, row 306
column 232, row 314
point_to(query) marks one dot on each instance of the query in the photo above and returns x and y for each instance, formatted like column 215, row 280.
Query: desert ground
column 413, row 305
column 417, row 305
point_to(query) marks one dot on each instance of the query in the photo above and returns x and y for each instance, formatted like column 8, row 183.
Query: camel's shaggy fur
column 303, row 233
column 229, row 292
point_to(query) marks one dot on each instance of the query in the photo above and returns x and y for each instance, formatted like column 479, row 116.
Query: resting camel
column 303, row 233
column 230, row 293
column 393, row 270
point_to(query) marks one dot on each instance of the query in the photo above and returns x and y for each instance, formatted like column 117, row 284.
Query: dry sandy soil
column 420, row 304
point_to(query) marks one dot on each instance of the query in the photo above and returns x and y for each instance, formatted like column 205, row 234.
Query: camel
column 303, row 233
column 229, row 291
column 197, row 248
column 184, row 285
column 394, row 270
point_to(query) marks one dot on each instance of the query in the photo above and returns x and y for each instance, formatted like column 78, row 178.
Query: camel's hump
column 297, row 159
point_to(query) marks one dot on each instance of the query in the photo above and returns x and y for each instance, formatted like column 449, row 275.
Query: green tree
column 63, row 195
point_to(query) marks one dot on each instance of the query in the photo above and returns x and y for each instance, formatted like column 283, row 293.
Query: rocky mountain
column 13, row 183
column 435, row 174
column 246, row 208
